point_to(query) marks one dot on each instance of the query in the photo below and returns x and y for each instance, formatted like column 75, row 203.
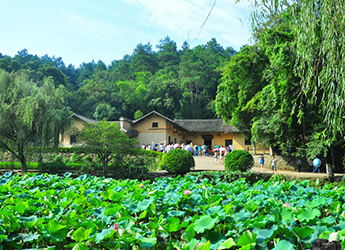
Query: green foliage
column 88, row 212
column 178, row 161
column 125, row 171
column 30, row 113
column 53, row 167
column 138, row 114
column 106, row 112
column 217, row 176
column 305, row 98
column 105, row 139
column 242, row 79
column 238, row 160
column 75, row 158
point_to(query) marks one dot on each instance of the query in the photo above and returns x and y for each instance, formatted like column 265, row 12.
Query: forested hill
column 177, row 83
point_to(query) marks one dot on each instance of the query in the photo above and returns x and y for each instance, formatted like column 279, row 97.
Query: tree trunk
column 105, row 166
column 21, row 157
column 271, row 151
column 329, row 169
column 254, row 148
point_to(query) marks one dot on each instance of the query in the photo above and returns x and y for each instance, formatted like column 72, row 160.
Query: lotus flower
column 141, row 185
column 287, row 205
column 186, row 192
column 116, row 227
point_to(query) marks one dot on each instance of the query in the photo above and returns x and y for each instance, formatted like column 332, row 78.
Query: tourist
column 222, row 152
column 262, row 161
column 199, row 151
column 316, row 164
column 299, row 165
column 162, row 148
column 195, row 150
column 274, row 166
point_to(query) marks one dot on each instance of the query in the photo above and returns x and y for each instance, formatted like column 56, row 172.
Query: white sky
column 84, row 30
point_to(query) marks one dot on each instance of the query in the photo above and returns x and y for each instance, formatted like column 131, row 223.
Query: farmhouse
column 156, row 128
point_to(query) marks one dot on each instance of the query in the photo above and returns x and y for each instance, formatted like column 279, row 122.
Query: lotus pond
column 60, row 212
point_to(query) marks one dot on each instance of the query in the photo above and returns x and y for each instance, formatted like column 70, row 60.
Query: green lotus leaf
column 227, row 244
column 247, row 238
column 317, row 201
column 82, row 234
column 242, row 215
column 105, row 234
column 172, row 198
column 175, row 213
column 286, row 214
column 148, row 242
column 246, row 247
column 80, row 246
column 173, row 224
column 204, row 246
column 329, row 221
column 21, row 207
column 303, row 232
column 325, row 235
column 29, row 221
column 284, row 245
column 307, row 214
column 143, row 205
column 215, row 238
column 153, row 225
column 203, row 223
column 56, row 231
column 29, row 237
column 216, row 210
column 189, row 233
column 264, row 234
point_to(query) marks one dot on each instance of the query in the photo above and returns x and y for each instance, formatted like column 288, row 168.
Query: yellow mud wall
column 76, row 124
column 149, row 134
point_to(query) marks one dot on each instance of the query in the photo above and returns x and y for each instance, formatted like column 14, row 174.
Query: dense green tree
column 144, row 59
column 164, row 93
column 133, row 94
column 106, row 140
column 29, row 114
column 121, row 69
column 168, row 56
column 243, row 78
column 105, row 112
column 175, row 88
column 316, row 80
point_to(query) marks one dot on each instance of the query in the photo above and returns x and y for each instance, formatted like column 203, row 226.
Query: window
column 247, row 142
column 228, row 142
column 73, row 139
column 155, row 124
column 169, row 141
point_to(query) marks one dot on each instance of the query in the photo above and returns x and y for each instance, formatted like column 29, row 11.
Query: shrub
column 215, row 177
column 53, row 167
column 177, row 161
column 238, row 160
column 75, row 158
column 124, row 171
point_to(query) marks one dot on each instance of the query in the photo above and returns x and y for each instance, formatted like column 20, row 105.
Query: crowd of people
column 196, row 150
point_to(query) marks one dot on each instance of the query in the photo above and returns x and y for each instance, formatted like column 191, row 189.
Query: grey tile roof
column 151, row 113
column 206, row 125
column 85, row 119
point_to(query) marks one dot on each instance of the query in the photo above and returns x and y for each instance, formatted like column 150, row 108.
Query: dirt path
column 207, row 164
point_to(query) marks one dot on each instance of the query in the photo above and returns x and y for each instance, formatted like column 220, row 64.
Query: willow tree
column 30, row 114
column 319, row 31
